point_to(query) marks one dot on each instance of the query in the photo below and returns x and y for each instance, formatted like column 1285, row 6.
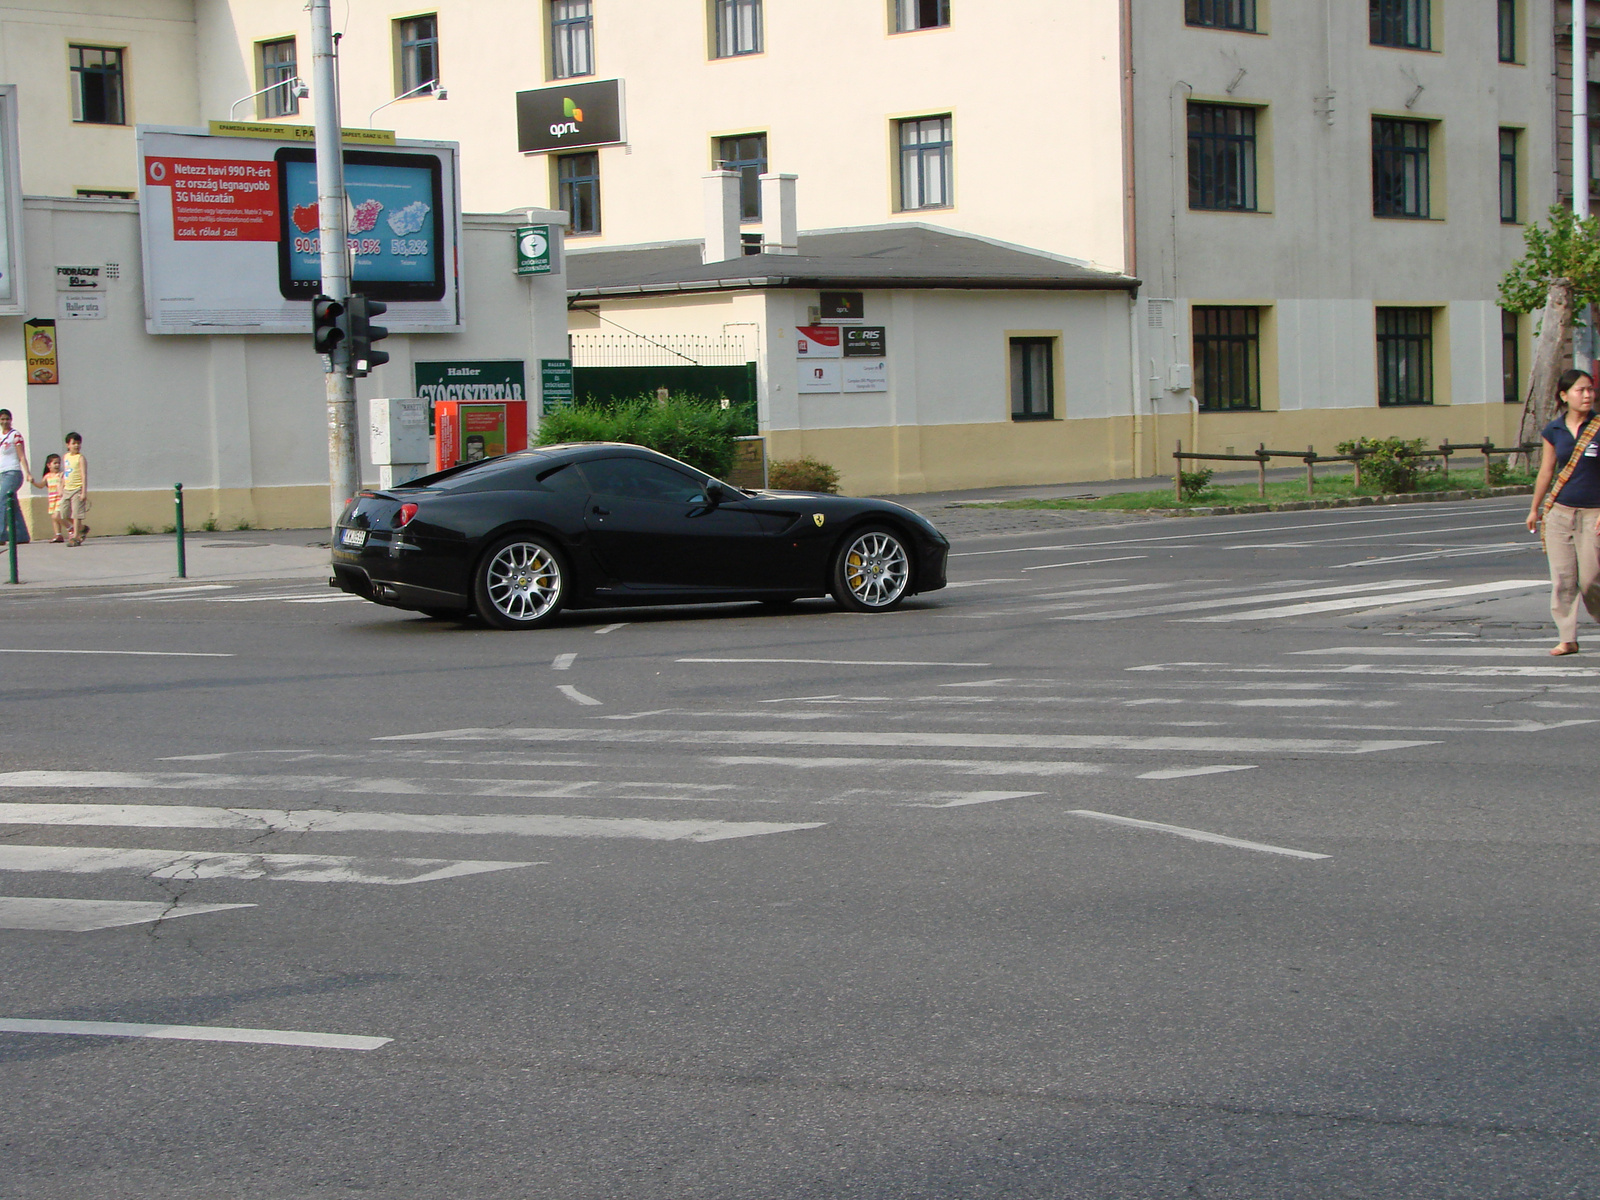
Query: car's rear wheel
column 521, row 583
column 871, row 570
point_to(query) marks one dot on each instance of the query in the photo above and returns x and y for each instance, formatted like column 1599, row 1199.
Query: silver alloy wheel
column 523, row 581
column 876, row 569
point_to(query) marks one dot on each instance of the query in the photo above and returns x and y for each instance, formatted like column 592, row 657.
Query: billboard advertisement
column 229, row 230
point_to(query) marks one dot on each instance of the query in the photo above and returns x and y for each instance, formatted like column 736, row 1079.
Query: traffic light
column 363, row 333
column 327, row 324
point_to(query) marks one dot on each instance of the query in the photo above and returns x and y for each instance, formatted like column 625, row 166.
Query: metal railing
column 1311, row 458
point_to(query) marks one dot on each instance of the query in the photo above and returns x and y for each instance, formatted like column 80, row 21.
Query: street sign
column 534, row 250
column 555, row 383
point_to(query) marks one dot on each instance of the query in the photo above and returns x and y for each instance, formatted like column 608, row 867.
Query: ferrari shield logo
column 818, row 518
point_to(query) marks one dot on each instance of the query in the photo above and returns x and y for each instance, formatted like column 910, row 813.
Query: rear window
column 509, row 471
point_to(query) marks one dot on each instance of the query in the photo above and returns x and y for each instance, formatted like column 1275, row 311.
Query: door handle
column 600, row 512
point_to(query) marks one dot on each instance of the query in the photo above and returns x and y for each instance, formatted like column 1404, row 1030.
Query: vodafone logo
column 157, row 170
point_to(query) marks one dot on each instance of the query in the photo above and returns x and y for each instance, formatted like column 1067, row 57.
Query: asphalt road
column 1233, row 857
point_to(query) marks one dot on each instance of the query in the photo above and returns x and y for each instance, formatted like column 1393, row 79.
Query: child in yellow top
column 74, row 503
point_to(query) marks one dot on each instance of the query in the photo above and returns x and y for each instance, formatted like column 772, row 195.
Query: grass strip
column 1328, row 487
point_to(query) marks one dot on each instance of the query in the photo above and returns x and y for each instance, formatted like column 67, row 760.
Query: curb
column 1227, row 510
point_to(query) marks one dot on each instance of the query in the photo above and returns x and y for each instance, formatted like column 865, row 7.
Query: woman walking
column 1569, row 503
column 14, row 473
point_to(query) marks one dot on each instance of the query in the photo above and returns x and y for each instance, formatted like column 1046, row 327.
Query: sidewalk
column 268, row 554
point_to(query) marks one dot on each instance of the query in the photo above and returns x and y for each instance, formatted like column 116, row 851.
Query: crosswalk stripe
column 955, row 766
column 1535, row 650
column 1348, row 604
column 195, row 1033
column 207, row 864
column 979, row 741
column 1244, row 598
column 1187, row 772
column 313, row 820
column 85, row 916
column 1194, row 835
column 519, row 789
column 1449, row 670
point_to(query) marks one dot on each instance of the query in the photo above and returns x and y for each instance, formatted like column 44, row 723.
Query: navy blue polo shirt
column 1583, row 489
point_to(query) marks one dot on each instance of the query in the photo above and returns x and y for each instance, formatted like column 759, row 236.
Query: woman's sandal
column 1564, row 648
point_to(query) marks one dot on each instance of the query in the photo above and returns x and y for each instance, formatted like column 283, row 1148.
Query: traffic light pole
column 344, row 464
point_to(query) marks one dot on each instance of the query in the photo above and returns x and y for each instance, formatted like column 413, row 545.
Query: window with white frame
column 571, row 38
column 925, row 161
column 738, row 27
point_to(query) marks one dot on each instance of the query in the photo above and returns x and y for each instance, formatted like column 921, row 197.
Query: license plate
column 353, row 537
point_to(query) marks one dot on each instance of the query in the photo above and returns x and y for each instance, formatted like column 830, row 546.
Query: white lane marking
column 1427, row 555
column 1296, row 702
column 1441, row 669
column 1349, row 604
column 1196, row 835
column 84, row 916
column 1103, row 591
column 611, row 628
column 178, row 591
column 126, row 653
column 966, row 798
column 981, row 741
column 837, row 662
column 563, row 662
column 1086, row 562
column 195, row 1033
column 1353, row 522
column 313, row 820
column 324, row 600
column 966, row 583
column 537, row 788
column 1535, row 650
column 573, row 694
column 956, row 766
column 208, row 864
column 1186, row 772
column 1371, row 537
column 1154, row 610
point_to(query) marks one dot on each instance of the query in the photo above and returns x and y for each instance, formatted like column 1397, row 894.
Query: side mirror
column 715, row 493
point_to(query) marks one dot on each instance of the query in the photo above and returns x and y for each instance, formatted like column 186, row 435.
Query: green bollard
column 177, row 500
column 14, row 523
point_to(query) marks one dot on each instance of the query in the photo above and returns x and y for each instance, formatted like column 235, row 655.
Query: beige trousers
column 1574, row 550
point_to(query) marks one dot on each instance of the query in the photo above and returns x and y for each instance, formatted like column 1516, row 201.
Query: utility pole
column 344, row 465
column 1582, row 334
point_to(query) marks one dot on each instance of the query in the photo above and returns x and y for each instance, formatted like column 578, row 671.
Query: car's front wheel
column 871, row 570
column 521, row 583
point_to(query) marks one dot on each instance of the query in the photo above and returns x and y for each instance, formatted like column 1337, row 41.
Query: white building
column 1317, row 198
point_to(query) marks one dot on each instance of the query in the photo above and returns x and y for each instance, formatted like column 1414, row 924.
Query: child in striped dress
column 53, row 481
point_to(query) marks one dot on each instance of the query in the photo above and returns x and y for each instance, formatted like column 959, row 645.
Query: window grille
column 1399, row 168
column 1222, row 157
column 1227, row 358
column 1405, row 356
column 97, row 92
column 1032, row 379
column 571, row 38
column 925, row 158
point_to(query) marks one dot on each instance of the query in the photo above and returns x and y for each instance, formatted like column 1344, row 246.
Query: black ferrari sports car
column 518, row 538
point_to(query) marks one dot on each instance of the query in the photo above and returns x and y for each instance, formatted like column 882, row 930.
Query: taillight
column 403, row 517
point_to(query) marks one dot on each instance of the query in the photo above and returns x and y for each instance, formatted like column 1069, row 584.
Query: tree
column 1560, row 273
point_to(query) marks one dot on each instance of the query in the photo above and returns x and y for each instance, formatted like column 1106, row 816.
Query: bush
column 1499, row 474
column 1388, row 464
column 1191, row 484
column 692, row 430
column 802, row 475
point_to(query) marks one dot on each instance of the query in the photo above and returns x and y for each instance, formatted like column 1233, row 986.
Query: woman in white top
column 13, row 470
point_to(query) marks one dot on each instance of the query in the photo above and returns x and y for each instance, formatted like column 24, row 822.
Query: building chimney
column 722, row 217
column 780, row 232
